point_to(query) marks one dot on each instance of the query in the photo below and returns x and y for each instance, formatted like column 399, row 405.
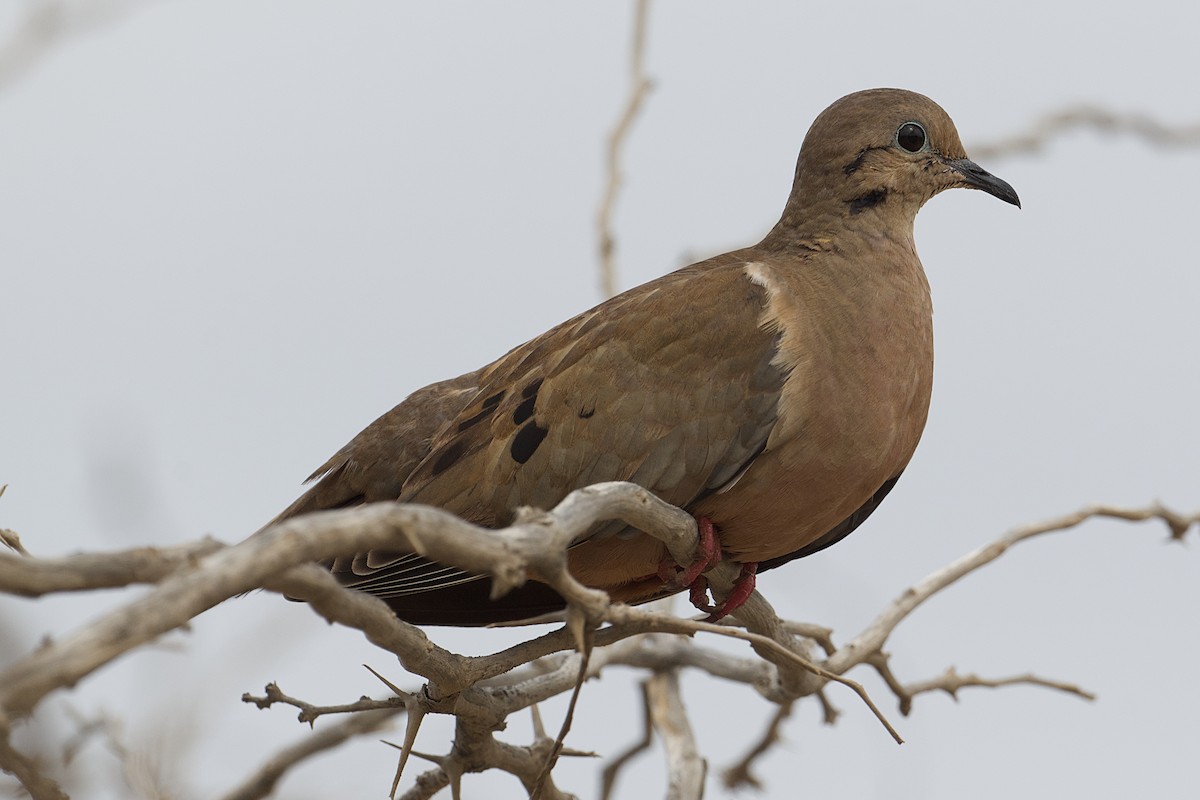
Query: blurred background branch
column 639, row 87
column 1057, row 124
column 46, row 23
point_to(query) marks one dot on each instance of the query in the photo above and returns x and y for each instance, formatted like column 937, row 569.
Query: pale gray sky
column 234, row 233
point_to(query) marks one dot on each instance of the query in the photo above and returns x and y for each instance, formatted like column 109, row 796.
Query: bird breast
column 859, row 348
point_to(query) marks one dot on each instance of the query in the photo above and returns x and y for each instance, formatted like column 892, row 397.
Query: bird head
column 882, row 151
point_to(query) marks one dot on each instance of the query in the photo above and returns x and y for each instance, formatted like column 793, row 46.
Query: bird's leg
column 692, row 576
column 739, row 594
column 709, row 555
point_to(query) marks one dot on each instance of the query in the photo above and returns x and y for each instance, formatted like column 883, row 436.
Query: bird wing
column 372, row 467
column 672, row 386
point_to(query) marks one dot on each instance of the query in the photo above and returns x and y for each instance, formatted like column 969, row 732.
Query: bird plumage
column 779, row 390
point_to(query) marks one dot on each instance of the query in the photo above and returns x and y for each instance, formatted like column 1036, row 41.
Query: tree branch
column 264, row 780
column 482, row 691
column 639, row 87
column 46, row 23
column 1059, row 123
column 872, row 639
column 686, row 768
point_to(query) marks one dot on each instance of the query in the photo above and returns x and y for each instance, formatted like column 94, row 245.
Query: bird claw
column 738, row 595
column 692, row 577
column 709, row 556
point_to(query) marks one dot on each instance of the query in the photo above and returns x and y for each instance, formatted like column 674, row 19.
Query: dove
column 776, row 392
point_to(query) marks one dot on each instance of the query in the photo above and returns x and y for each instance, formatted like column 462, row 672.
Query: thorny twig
column 310, row 712
column 480, row 691
column 950, row 682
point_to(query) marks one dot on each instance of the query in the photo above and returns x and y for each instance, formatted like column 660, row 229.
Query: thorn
column 447, row 764
column 399, row 692
column 572, row 752
column 539, row 730
column 416, row 714
column 438, row 761
column 454, row 771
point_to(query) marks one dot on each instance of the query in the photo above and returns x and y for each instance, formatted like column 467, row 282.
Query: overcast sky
column 233, row 233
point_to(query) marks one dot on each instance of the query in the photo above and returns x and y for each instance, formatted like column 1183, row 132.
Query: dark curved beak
column 976, row 177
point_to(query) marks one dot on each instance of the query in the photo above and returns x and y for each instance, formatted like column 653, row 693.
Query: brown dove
column 776, row 392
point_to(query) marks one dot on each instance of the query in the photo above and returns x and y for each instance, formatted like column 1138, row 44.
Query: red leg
column 709, row 554
column 737, row 596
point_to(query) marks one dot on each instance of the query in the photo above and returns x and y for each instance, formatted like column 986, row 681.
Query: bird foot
column 709, row 555
column 738, row 595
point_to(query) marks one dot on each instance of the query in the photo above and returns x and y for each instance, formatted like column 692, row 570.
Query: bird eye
column 911, row 137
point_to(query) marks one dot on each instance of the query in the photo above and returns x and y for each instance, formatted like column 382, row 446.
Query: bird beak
column 976, row 177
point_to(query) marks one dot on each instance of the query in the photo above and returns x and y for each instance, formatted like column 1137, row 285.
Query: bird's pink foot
column 737, row 596
column 710, row 554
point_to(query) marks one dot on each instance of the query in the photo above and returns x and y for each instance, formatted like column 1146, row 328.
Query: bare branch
column 608, row 777
column 25, row 770
column 263, row 782
column 829, row 713
column 686, row 768
column 568, row 718
column 950, row 682
column 428, row 784
column 739, row 775
column 34, row 577
column 872, row 639
column 141, row 768
column 478, row 750
column 765, row 646
column 310, row 713
column 818, row 633
column 482, row 691
column 639, row 87
column 1059, row 123
column 12, row 541
column 49, row 21
column 9, row 538
column 535, row 544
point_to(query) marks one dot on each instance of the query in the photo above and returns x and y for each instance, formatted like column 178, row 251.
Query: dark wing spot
column 448, row 456
column 525, row 410
column 587, row 413
column 489, row 406
column 469, row 421
column 526, row 442
column 868, row 200
column 532, row 389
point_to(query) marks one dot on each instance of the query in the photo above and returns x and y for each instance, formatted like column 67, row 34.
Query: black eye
column 911, row 137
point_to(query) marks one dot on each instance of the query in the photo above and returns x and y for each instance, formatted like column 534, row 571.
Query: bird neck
column 826, row 227
column 832, row 204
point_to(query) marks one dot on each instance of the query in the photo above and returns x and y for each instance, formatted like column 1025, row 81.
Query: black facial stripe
column 868, row 200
